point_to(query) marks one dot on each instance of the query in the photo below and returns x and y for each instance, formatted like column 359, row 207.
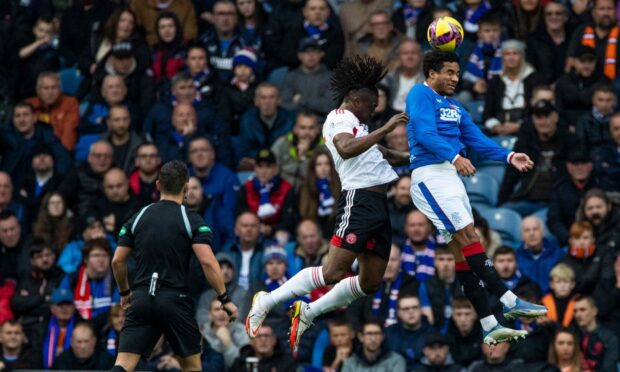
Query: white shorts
column 438, row 192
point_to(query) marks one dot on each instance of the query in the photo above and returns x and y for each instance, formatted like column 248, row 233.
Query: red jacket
column 276, row 196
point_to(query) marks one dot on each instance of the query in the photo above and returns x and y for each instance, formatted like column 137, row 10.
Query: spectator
column 223, row 40
column 83, row 187
column 32, row 299
column 407, row 336
column 112, row 330
column 597, row 209
column 588, row 262
column 237, row 93
column 355, row 16
column 54, row 108
column 537, row 255
column 290, row 23
column 320, row 192
column 399, row 206
column 174, row 145
column 262, row 125
column 382, row 42
column 396, row 139
column 418, row 252
column 7, row 204
column 36, row 55
column 437, row 292
column 341, row 344
column 373, row 353
column 606, row 160
column 13, row 255
column 307, row 86
column 485, row 58
column 78, row 22
column 197, row 62
column 489, row 238
column 495, row 359
column 505, row 262
column 564, row 351
column 412, row 19
column 560, row 301
column 437, row 354
column 224, row 337
column 599, row 345
column 220, row 184
column 195, row 199
column 247, row 243
column 593, row 127
column 547, row 144
column 60, row 326
column 508, row 93
column 169, row 52
column 53, row 224
column 120, row 26
column 574, row 90
column 124, row 140
column 41, row 180
column 15, row 352
column 599, row 33
column 82, row 355
column 27, row 135
column 268, row 196
column 310, row 248
column 408, row 73
column 548, row 45
column 293, row 150
column 118, row 205
column 142, row 179
column 607, row 296
column 567, row 194
column 465, row 332
column 266, row 348
column 147, row 12
column 252, row 17
column 94, row 288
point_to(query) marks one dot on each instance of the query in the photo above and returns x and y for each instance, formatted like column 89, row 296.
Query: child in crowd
column 341, row 337
column 561, row 300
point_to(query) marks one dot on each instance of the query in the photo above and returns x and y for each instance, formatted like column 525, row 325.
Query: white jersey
column 364, row 170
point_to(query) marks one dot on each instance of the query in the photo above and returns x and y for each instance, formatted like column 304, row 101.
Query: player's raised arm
column 349, row 146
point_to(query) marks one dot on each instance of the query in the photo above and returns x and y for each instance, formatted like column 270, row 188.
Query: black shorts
column 170, row 313
column 363, row 223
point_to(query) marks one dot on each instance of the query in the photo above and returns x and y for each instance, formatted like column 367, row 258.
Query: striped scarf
column 51, row 341
column 392, row 301
column 315, row 32
column 411, row 14
column 112, row 342
column 611, row 50
column 473, row 16
column 476, row 65
column 92, row 297
column 419, row 264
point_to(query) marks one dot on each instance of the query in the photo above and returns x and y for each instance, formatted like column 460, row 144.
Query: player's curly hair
column 356, row 73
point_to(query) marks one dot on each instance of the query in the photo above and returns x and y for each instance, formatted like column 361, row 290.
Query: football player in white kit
column 362, row 230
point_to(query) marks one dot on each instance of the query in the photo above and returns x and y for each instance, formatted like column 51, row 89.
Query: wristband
column 124, row 293
column 224, row 298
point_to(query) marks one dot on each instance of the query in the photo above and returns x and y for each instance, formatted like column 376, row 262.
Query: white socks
column 344, row 292
column 301, row 284
column 509, row 299
column 488, row 322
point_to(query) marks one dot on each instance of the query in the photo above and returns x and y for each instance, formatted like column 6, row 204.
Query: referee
column 162, row 237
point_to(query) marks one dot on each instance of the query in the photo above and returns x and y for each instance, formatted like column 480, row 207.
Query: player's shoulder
column 419, row 91
column 341, row 115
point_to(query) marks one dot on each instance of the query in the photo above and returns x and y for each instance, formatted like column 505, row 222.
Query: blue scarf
column 476, row 65
column 200, row 80
column 326, row 200
column 314, row 31
column 512, row 282
column 418, row 264
column 392, row 301
column 411, row 14
column 265, row 208
column 598, row 116
column 111, row 342
column 51, row 341
column 98, row 114
column 473, row 16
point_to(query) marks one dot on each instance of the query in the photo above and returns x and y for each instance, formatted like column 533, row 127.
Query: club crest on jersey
column 453, row 113
column 351, row 238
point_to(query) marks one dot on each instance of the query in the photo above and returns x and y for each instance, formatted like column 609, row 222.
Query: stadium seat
column 83, row 107
column 482, row 189
column 542, row 215
column 506, row 222
column 493, row 169
column 320, row 344
column 507, row 142
column 475, row 109
column 70, row 79
column 244, row 176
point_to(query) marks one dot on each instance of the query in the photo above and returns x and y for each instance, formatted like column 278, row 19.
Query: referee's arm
column 119, row 268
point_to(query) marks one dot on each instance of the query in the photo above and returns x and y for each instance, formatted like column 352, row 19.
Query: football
column 445, row 34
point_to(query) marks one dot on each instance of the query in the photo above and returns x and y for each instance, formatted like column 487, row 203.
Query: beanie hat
column 245, row 56
column 514, row 44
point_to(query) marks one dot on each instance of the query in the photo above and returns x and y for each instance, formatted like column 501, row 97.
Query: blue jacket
column 255, row 135
column 221, row 187
column 538, row 269
column 606, row 160
column 257, row 271
column 439, row 134
column 409, row 344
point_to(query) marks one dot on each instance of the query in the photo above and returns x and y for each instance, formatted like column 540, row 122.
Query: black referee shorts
column 363, row 223
column 170, row 313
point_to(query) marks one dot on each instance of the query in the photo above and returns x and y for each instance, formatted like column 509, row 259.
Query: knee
column 370, row 285
column 332, row 275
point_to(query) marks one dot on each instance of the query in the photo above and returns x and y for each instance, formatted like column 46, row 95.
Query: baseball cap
column 578, row 156
column 122, row 49
column 543, row 107
column 585, row 52
column 274, row 252
column 308, row 43
column 265, row 156
column 60, row 295
column 436, row 338
column 42, row 150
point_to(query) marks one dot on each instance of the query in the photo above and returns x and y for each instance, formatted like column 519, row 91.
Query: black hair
column 355, row 74
column 504, row 249
column 604, row 88
column 6, row 214
column 172, row 177
column 434, row 60
column 490, row 19
column 38, row 245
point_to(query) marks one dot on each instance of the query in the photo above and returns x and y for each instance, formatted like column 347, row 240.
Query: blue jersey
column 439, row 128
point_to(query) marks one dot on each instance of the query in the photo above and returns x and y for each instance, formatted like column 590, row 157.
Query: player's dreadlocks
column 356, row 73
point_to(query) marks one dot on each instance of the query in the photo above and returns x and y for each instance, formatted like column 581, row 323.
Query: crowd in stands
column 96, row 94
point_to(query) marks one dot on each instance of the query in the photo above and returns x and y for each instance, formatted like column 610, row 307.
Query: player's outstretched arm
column 521, row 161
column 348, row 146
column 395, row 158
